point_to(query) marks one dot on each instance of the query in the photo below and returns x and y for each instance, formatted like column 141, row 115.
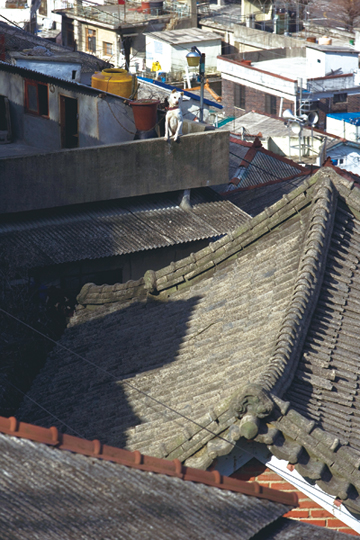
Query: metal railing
column 134, row 13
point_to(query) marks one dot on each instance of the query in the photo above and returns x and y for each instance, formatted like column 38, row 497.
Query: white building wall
column 173, row 57
column 262, row 81
column 211, row 49
column 342, row 129
column 320, row 63
column 158, row 51
column 15, row 15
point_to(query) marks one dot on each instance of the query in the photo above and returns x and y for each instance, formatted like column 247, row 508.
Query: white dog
column 174, row 117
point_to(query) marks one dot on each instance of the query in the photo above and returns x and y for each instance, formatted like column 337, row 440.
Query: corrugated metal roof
column 265, row 169
column 254, row 201
column 237, row 154
column 49, row 493
column 259, row 168
column 18, row 39
column 116, row 228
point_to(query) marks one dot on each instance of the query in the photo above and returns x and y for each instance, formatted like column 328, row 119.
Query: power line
column 46, row 410
column 11, row 22
column 158, row 402
column 256, row 166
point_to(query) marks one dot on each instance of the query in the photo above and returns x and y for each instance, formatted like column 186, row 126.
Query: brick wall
column 327, row 106
column 254, row 100
column 308, row 511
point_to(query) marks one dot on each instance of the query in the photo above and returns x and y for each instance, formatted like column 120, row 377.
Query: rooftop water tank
column 116, row 81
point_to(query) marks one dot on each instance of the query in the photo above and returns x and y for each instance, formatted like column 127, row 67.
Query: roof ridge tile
column 283, row 362
column 51, row 436
column 182, row 272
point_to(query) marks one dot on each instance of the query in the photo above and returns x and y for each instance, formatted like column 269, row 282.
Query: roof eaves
column 52, row 437
column 182, row 273
column 63, row 83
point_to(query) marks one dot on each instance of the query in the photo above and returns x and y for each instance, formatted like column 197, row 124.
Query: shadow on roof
column 89, row 376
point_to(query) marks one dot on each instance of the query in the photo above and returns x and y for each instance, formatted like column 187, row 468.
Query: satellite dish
column 295, row 127
column 313, row 118
column 289, row 115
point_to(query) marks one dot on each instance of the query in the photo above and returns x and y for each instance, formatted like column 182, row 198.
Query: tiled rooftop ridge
column 52, row 437
column 266, row 418
column 283, row 363
column 182, row 273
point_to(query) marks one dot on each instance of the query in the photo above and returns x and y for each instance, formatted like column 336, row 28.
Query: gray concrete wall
column 85, row 175
column 264, row 40
column 102, row 118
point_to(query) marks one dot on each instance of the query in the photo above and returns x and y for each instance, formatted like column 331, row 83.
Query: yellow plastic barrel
column 116, row 81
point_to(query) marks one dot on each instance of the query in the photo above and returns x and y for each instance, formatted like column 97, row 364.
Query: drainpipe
column 281, row 107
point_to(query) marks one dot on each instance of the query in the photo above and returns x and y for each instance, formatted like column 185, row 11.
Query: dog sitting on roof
column 174, row 117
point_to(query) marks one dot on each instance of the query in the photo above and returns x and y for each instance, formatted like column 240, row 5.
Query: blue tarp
column 190, row 94
column 350, row 117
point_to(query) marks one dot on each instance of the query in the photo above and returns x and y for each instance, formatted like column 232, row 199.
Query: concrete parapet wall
column 86, row 175
column 265, row 40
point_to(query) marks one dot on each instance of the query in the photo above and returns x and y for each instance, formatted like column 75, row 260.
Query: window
column 340, row 98
column 107, row 49
column 36, row 98
column 43, row 8
column 239, row 96
column 270, row 104
column 90, row 40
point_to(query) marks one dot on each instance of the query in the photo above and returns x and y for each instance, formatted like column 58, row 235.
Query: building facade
column 318, row 78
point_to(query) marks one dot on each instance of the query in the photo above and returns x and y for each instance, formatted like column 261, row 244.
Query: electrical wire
column 256, row 166
column 46, row 410
column 133, row 387
column 11, row 22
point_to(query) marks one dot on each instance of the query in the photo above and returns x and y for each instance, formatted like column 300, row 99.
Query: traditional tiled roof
column 97, row 491
column 117, row 228
column 253, row 337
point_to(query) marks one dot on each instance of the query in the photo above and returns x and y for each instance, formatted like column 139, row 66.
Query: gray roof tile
column 266, row 314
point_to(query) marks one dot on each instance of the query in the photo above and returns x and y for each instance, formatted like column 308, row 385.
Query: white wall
column 319, row 63
column 18, row 16
column 173, row 57
column 211, row 49
column 159, row 51
column 259, row 80
column 342, row 129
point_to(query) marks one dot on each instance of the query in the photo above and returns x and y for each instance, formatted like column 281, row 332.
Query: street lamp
column 196, row 58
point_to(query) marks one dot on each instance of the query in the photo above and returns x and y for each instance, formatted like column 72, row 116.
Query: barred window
column 270, row 104
column 90, row 40
column 340, row 98
column 239, row 96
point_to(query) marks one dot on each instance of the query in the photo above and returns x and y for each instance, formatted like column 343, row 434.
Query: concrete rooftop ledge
column 115, row 171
